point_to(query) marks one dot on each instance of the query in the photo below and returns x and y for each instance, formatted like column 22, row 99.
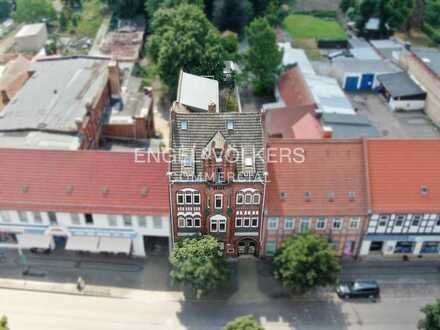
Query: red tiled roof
column 82, row 181
column 294, row 90
column 330, row 166
column 397, row 171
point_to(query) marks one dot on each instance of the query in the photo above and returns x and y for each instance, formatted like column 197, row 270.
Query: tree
column 200, row 263
column 230, row 15
column 247, row 322
column 183, row 38
column 151, row 6
column 305, row 262
column 263, row 58
column 431, row 320
column 4, row 323
column 275, row 12
column 230, row 45
column 5, row 9
column 432, row 11
column 346, row 4
column 34, row 11
column 126, row 8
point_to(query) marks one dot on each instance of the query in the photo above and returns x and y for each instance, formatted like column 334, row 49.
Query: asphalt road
column 31, row 310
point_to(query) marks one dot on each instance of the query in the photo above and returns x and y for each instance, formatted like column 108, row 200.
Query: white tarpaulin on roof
column 115, row 245
column 83, row 243
column 30, row 241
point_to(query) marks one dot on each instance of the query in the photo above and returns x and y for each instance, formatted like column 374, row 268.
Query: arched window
column 257, row 199
column 240, row 199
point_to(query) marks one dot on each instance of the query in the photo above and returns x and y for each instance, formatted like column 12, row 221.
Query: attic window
column 331, row 196
column 351, row 195
column 307, row 196
column 24, row 188
column 104, row 190
column 283, row 195
column 69, row 189
column 230, row 125
column 144, row 192
column 424, row 190
column 248, row 161
column 184, row 124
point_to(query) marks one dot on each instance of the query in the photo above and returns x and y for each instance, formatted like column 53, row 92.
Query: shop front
column 388, row 245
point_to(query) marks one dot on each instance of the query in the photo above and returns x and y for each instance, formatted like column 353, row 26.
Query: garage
column 367, row 81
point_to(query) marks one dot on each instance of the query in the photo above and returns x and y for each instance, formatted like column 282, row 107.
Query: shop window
column 404, row 247
column 289, row 223
column 142, row 221
column 321, row 223
column 272, row 223
column 430, row 247
column 112, row 220
column 271, row 247
column 74, row 218
column 8, row 238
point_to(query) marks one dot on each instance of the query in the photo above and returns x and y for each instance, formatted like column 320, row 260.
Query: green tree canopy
column 200, row 263
column 183, row 38
column 126, row 8
column 431, row 319
column 231, row 14
column 263, row 58
column 5, row 9
column 151, row 6
column 305, row 262
column 432, row 12
column 34, row 11
column 247, row 322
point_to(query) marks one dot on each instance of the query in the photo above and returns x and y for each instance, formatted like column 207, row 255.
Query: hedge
column 319, row 13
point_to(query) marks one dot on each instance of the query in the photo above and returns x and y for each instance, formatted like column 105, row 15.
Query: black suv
column 358, row 289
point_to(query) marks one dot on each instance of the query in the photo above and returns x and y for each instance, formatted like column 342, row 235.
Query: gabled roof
column 201, row 127
column 294, row 90
column 82, row 181
column 398, row 170
column 330, row 166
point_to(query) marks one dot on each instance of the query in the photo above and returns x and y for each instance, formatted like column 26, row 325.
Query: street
column 32, row 310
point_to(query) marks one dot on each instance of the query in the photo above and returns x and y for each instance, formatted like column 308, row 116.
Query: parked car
column 358, row 289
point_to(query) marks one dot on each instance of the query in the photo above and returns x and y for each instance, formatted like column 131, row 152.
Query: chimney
column 115, row 79
column 212, row 107
column 327, row 132
column 4, row 97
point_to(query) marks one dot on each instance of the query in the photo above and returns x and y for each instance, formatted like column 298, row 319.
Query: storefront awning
column 83, row 243
column 29, row 241
column 115, row 245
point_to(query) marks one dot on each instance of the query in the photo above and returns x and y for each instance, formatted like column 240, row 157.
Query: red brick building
column 217, row 177
column 316, row 186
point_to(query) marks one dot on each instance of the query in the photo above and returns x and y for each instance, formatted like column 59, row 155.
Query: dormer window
column 248, row 162
column 230, row 125
column 307, row 196
column 424, row 190
column 283, row 195
column 331, row 196
column 351, row 195
column 187, row 161
column 184, row 124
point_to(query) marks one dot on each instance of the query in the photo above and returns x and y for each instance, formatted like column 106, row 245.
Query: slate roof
column 400, row 84
column 330, row 166
column 203, row 126
column 397, row 171
column 349, row 126
column 76, row 181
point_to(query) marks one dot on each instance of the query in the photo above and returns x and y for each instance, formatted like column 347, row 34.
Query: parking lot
column 399, row 125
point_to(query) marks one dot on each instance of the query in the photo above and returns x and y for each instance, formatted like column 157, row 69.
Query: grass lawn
column 306, row 27
column 90, row 19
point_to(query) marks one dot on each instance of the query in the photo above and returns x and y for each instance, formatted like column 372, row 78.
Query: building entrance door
column 247, row 247
column 376, row 246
